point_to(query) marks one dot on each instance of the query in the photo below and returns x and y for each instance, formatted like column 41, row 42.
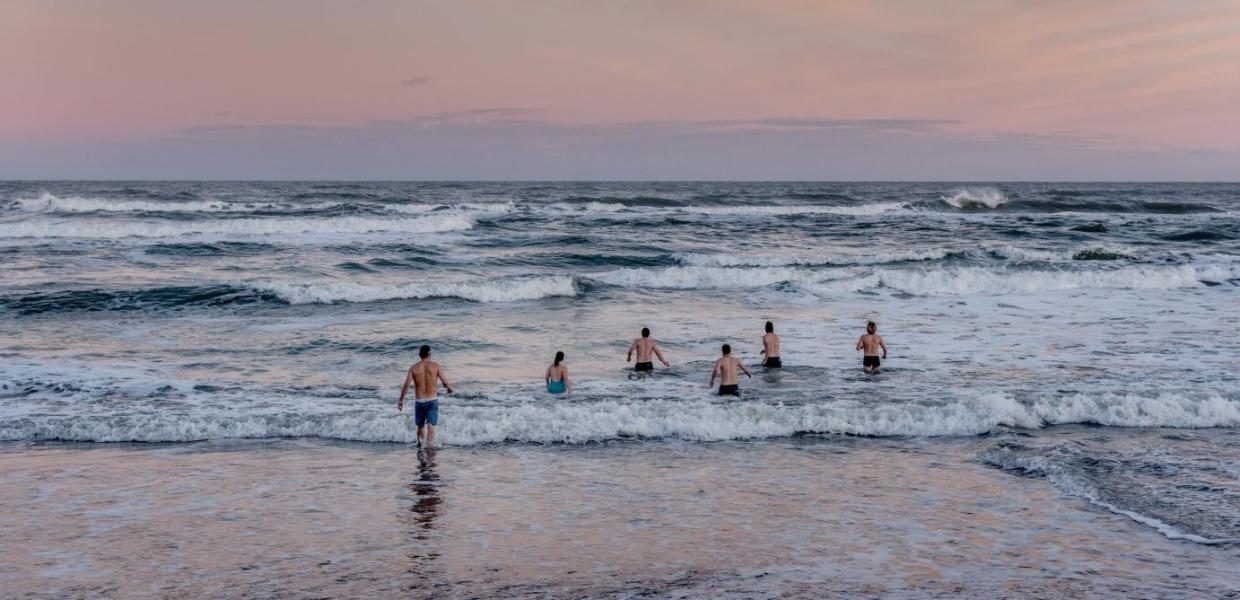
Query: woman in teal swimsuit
column 557, row 376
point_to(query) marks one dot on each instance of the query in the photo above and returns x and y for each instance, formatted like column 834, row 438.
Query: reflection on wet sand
column 425, row 506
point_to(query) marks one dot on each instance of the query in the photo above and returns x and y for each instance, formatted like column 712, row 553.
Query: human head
column 559, row 356
column 645, row 332
column 871, row 326
column 727, row 349
column 424, row 351
column 770, row 327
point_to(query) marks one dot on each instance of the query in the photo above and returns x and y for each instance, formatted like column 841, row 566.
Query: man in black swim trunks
column 645, row 347
column 871, row 342
column 770, row 348
column 725, row 368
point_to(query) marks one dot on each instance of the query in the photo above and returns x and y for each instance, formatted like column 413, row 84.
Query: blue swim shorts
column 426, row 412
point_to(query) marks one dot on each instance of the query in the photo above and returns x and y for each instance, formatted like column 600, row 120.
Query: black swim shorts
column 646, row 366
column 772, row 362
column 871, row 361
column 730, row 390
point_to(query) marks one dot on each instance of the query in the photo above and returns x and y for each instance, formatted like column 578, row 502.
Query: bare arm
column 764, row 346
column 445, row 381
column 632, row 347
column 883, row 346
column 660, row 355
column 404, row 389
column 568, row 385
column 861, row 342
column 547, row 376
column 742, row 366
column 713, row 371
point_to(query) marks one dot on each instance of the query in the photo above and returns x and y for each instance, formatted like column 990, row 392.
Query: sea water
column 1080, row 339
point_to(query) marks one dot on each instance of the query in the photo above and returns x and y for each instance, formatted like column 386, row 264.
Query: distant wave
column 967, row 281
column 1004, row 252
column 876, row 208
column 931, row 282
column 976, row 199
column 50, row 203
column 741, row 260
column 500, row 289
column 433, row 223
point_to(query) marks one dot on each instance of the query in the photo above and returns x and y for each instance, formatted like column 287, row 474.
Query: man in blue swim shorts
column 425, row 376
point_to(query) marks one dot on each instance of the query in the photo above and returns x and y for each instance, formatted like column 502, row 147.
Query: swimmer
column 726, row 368
column 557, row 376
column 871, row 342
column 645, row 347
column 770, row 348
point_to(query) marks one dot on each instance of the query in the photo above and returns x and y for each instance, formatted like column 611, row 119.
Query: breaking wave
column 950, row 281
column 500, row 289
column 434, row 223
column 975, row 199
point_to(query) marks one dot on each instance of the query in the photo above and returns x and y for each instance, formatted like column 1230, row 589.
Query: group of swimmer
column 426, row 374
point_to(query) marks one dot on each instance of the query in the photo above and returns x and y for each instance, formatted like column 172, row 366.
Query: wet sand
column 794, row 517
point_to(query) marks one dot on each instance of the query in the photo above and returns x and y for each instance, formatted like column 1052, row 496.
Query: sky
column 965, row 90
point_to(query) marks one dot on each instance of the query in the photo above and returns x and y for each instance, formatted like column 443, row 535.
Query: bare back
column 871, row 343
column 770, row 344
column 425, row 379
column 644, row 347
column 726, row 367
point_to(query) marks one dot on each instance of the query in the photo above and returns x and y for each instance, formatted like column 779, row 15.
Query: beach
column 198, row 385
column 799, row 517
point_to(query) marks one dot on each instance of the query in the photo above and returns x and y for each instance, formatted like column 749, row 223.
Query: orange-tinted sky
column 169, row 85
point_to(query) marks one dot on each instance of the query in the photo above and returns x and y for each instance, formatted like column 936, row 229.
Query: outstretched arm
column 742, row 366
column 404, row 389
column 445, row 381
column 659, row 354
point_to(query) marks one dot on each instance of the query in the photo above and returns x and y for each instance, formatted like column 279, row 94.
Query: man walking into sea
column 770, row 348
column 725, row 368
column 870, row 343
column 425, row 376
column 645, row 347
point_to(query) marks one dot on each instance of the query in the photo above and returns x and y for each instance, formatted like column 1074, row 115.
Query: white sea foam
column 963, row 281
column 976, row 198
column 742, row 260
column 76, row 228
column 686, row 278
column 589, row 207
column 507, row 419
column 50, row 203
column 951, row 281
column 500, row 289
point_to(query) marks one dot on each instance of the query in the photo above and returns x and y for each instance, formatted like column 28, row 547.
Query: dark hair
column 727, row 349
column 559, row 356
column 770, row 327
column 871, row 326
column 424, row 351
column 645, row 332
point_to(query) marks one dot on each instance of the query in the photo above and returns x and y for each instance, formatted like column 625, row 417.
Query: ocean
column 198, row 384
